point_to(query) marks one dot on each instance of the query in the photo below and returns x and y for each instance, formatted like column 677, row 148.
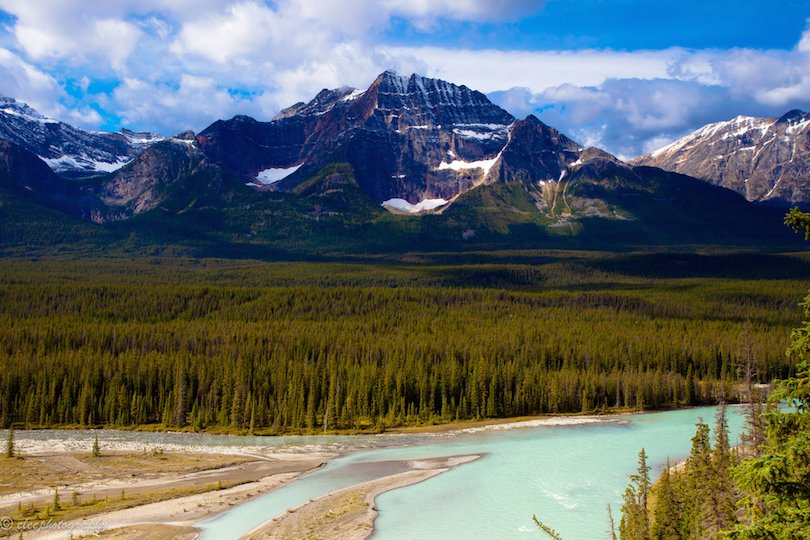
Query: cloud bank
column 171, row 65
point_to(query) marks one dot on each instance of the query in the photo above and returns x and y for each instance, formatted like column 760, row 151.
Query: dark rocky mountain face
column 763, row 159
column 536, row 153
column 411, row 138
column 152, row 177
column 21, row 168
column 67, row 149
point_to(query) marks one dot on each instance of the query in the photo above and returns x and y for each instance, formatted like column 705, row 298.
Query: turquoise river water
column 564, row 470
column 566, row 474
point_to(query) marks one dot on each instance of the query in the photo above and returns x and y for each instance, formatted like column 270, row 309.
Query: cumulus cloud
column 43, row 92
column 630, row 116
column 177, row 64
column 176, row 107
column 492, row 70
column 255, row 56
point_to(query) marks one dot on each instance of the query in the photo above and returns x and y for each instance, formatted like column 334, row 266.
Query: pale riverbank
column 121, row 489
column 349, row 513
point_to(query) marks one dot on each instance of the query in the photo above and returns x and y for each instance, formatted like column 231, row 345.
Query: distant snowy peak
column 143, row 138
column 760, row 158
column 737, row 128
column 68, row 149
column 11, row 106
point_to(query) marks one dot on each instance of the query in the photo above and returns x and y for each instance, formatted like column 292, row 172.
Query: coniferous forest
column 278, row 347
column 759, row 489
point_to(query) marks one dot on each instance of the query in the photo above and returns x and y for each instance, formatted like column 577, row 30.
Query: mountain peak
column 793, row 116
column 69, row 150
column 390, row 74
column 12, row 106
column 763, row 159
column 322, row 103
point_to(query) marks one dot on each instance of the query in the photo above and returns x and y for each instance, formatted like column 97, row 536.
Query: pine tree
column 697, row 469
column 667, row 515
column 611, row 524
column 635, row 522
column 754, row 435
column 96, row 447
column 718, row 511
column 179, row 413
column 776, row 485
column 690, row 386
column 554, row 535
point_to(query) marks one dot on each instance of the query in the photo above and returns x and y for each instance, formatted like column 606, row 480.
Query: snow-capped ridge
column 68, row 149
column 760, row 158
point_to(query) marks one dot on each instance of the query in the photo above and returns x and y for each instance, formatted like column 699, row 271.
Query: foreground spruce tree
column 635, row 522
column 776, row 484
column 666, row 519
column 719, row 508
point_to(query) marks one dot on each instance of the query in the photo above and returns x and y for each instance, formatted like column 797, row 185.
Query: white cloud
column 183, row 63
column 175, row 108
column 18, row 77
column 221, row 37
column 41, row 91
column 492, row 70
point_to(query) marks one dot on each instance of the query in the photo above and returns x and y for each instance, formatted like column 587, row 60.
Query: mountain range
column 763, row 159
column 406, row 163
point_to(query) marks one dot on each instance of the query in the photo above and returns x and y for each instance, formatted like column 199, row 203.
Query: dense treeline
column 305, row 346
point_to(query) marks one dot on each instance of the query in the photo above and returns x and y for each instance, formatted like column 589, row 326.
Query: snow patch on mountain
column 271, row 176
column 461, row 165
column 84, row 163
column 401, row 205
column 356, row 93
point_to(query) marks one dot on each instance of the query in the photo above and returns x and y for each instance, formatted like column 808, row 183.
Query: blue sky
column 624, row 75
column 626, row 24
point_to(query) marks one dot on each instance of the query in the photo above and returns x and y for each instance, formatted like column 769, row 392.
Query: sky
column 628, row 76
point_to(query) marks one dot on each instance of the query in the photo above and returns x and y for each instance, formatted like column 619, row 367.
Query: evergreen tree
column 667, row 512
column 776, row 484
column 635, row 522
column 754, row 435
column 554, row 535
column 96, row 447
column 719, row 507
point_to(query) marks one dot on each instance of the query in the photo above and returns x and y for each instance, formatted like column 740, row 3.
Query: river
column 565, row 470
column 566, row 473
